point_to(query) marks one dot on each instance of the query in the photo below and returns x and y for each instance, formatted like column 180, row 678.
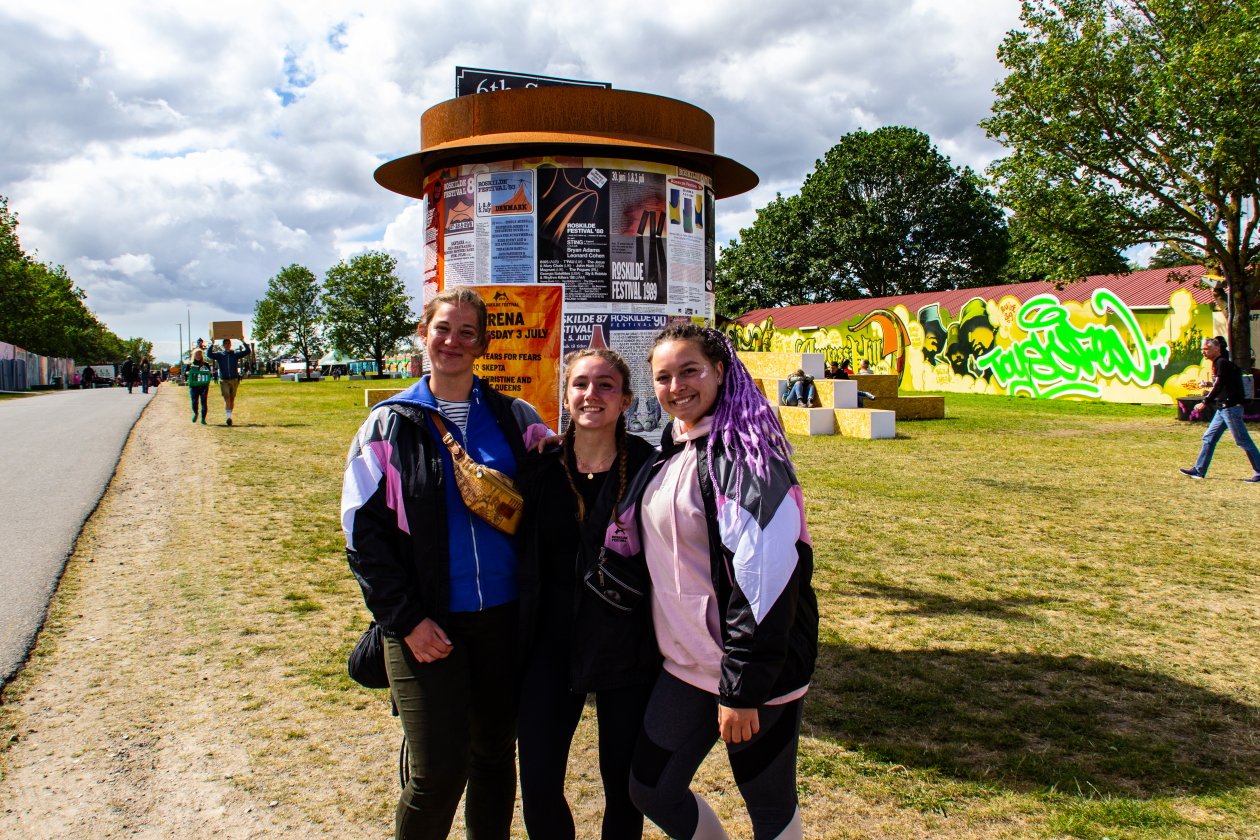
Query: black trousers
column 459, row 715
column 550, row 713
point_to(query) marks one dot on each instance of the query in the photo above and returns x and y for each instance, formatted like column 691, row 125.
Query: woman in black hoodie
column 576, row 642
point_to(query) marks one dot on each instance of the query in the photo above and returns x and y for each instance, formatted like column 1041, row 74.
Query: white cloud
column 177, row 156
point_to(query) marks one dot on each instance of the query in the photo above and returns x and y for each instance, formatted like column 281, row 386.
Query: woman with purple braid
column 721, row 527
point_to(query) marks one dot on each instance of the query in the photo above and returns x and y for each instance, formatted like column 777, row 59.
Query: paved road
column 58, row 452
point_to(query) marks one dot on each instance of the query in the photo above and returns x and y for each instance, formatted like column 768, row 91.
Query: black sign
column 470, row 80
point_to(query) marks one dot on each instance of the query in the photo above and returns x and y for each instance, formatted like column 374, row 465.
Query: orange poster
column 523, row 358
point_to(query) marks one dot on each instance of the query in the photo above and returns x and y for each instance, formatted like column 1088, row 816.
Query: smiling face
column 595, row 393
column 452, row 340
column 686, row 382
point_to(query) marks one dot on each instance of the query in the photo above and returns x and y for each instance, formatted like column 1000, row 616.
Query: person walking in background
column 227, row 361
column 1228, row 396
column 577, row 643
column 198, row 374
column 146, row 376
column 441, row 581
column 88, row 380
column 720, row 521
column 129, row 373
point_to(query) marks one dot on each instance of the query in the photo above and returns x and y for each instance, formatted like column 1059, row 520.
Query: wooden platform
column 371, row 396
column 835, row 409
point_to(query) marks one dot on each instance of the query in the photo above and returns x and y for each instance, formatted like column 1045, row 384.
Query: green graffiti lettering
column 1059, row 360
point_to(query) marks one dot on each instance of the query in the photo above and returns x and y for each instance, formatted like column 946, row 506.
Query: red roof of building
column 1151, row 287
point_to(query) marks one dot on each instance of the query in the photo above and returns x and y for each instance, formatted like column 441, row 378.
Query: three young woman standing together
column 724, row 647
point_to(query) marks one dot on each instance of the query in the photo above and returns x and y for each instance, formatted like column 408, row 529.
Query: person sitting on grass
column 800, row 390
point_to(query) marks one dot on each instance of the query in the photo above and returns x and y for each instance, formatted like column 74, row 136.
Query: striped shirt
column 457, row 413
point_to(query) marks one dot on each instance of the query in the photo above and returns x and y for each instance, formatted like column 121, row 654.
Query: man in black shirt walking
column 1228, row 396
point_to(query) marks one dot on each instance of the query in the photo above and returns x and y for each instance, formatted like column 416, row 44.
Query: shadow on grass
column 1031, row 721
column 935, row 604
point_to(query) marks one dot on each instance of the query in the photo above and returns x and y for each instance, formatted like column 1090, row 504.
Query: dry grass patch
column 1032, row 626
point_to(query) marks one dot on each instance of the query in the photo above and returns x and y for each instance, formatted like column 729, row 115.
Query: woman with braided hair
column 719, row 519
column 577, row 644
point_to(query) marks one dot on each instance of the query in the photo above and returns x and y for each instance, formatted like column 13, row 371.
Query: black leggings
column 549, row 716
column 679, row 730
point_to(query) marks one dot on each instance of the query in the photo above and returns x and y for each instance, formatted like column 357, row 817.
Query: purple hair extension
column 744, row 422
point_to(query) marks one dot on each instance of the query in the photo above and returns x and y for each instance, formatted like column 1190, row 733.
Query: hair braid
column 623, row 456
column 565, row 456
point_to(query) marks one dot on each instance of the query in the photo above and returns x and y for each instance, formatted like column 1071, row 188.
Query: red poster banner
column 523, row 359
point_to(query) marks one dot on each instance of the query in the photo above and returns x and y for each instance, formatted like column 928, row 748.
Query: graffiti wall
column 1047, row 346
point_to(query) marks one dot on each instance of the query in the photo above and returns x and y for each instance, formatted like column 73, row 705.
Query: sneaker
column 229, row 421
column 203, row 421
column 1255, row 479
column 194, row 418
column 1191, row 473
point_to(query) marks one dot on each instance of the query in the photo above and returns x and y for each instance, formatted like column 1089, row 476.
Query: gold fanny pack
column 486, row 492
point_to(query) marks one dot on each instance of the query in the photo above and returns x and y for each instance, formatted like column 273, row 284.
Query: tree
column 140, row 349
column 883, row 213
column 291, row 313
column 368, row 310
column 1167, row 257
column 267, row 344
column 41, row 309
column 1074, row 246
column 1145, row 109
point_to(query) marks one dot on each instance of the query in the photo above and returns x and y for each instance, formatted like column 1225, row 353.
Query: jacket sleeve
column 763, row 534
column 530, row 422
column 374, row 518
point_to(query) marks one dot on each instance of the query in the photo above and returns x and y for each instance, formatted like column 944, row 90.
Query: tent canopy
column 334, row 358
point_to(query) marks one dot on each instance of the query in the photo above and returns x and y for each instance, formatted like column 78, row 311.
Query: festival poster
column 686, row 247
column 573, row 232
column 710, row 258
column 458, row 232
column 523, row 358
column 638, row 265
column 432, row 205
column 505, row 226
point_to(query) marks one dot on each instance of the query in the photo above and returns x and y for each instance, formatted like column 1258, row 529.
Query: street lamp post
column 179, row 362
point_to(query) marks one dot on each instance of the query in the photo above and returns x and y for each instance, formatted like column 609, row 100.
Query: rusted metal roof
column 1147, row 288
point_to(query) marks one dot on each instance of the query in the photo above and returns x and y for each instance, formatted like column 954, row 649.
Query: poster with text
column 573, row 232
column 523, row 357
column 638, row 263
column 458, row 231
column 505, row 226
column 686, row 238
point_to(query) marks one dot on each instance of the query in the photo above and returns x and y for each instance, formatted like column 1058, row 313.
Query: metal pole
column 179, row 363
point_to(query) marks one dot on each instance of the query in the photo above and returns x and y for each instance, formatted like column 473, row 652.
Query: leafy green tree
column 1167, row 257
column 883, row 213
column 292, row 314
column 368, row 310
column 768, row 264
column 268, row 345
column 41, row 309
column 1074, row 245
column 1146, row 110
column 139, row 349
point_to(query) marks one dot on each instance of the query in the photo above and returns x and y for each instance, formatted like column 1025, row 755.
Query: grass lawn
column 1032, row 625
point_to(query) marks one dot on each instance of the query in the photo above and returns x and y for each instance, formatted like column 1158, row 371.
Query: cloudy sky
column 175, row 156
